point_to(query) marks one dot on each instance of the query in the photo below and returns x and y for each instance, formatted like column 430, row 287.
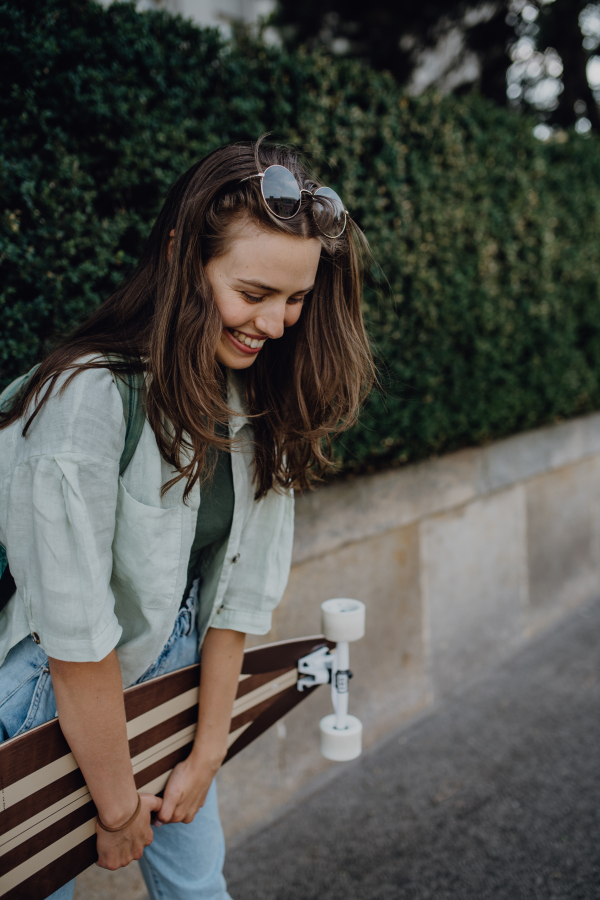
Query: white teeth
column 253, row 343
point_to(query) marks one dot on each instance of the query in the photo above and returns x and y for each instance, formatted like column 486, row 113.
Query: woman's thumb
column 153, row 803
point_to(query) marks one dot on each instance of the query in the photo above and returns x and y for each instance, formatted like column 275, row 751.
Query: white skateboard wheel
column 341, row 746
column 343, row 619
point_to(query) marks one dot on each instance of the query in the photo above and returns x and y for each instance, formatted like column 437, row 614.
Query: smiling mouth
column 244, row 342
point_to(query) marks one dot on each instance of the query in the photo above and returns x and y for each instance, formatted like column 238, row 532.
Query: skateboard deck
column 47, row 816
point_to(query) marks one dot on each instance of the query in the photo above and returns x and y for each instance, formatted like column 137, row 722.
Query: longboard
column 47, row 816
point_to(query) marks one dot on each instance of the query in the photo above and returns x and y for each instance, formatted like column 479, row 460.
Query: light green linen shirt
column 100, row 561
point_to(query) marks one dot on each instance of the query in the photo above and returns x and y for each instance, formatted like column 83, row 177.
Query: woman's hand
column 186, row 790
column 91, row 712
column 119, row 848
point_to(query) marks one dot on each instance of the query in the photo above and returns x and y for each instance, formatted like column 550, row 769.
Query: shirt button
column 235, row 558
column 35, row 636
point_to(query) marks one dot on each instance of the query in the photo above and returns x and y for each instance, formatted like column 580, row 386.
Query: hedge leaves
column 483, row 299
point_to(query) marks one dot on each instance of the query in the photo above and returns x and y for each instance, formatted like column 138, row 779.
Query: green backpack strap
column 3, row 569
column 7, row 584
column 15, row 386
column 131, row 387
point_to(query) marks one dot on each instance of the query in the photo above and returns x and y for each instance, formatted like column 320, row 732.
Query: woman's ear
column 170, row 244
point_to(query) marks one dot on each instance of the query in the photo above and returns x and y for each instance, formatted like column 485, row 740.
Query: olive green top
column 216, row 511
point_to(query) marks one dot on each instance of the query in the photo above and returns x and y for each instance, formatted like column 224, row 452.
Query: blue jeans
column 184, row 862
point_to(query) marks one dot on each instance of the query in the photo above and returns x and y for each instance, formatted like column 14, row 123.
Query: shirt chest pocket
column 146, row 552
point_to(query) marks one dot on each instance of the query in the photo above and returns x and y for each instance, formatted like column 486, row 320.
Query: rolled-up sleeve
column 61, row 520
column 261, row 569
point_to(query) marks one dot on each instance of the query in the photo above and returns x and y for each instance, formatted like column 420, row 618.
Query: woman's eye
column 293, row 300
column 250, row 297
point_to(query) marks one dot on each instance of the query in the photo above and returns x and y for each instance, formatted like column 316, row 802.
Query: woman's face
column 259, row 287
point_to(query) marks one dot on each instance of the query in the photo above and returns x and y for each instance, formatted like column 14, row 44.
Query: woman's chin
column 231, row 359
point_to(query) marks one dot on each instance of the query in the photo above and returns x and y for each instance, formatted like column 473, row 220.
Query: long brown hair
column 163, row 320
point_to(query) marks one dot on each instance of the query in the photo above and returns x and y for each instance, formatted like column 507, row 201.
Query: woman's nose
column 271, row 324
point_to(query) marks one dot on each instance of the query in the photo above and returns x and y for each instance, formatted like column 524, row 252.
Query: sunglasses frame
column 312, row 194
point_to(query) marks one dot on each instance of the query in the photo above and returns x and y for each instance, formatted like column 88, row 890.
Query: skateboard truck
column 315, row 669
column 343, row 621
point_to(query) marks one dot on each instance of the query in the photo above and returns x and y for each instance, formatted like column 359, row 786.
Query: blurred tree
column 551, row 61
column 395, row 36
column 534, row 54
column 562, row 31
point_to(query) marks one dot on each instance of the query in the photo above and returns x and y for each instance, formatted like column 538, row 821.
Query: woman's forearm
column 222, row 654
column 186, row 790
column 91, row 711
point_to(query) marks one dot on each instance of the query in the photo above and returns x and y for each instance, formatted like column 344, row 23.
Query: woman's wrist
column 115, row 813
column 208, row 756
column 114, row 828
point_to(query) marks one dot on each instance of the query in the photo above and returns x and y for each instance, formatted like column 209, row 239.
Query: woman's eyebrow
column 272, row 290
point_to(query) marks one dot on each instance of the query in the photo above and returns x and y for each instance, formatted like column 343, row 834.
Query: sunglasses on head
column 283, row 195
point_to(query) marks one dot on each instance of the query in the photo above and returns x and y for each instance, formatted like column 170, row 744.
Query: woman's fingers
column 171, row 798
column 184, row 794
column 119, row 848
column 153, row 803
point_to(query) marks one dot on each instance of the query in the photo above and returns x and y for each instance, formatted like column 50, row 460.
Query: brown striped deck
column 47, row 817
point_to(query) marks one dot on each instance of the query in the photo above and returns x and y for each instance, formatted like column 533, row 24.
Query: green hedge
column 484, row 307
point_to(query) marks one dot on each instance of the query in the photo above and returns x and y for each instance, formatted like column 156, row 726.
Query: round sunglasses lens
column 329, row 212
column 281, row 192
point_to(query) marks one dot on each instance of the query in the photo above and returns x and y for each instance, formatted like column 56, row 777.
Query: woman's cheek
column 235, row 312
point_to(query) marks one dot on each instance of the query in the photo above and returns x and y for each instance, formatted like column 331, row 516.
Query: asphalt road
column 494, row 794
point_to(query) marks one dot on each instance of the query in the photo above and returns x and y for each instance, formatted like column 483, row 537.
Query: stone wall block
column 390, row 684
column 563, row 509
column 362, row 507
column 525, row 456
column 474, row 585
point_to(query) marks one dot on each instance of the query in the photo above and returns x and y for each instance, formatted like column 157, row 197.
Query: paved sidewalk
column 495, row 794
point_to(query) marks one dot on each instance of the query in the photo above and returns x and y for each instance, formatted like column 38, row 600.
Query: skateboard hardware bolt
column 341, row 680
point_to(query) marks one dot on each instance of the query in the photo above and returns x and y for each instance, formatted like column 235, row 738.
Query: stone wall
column 460, row 560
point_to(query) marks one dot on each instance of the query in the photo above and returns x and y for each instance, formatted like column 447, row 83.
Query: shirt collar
column 235, row 400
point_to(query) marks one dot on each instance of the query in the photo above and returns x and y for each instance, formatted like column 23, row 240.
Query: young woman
column 244, row 317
